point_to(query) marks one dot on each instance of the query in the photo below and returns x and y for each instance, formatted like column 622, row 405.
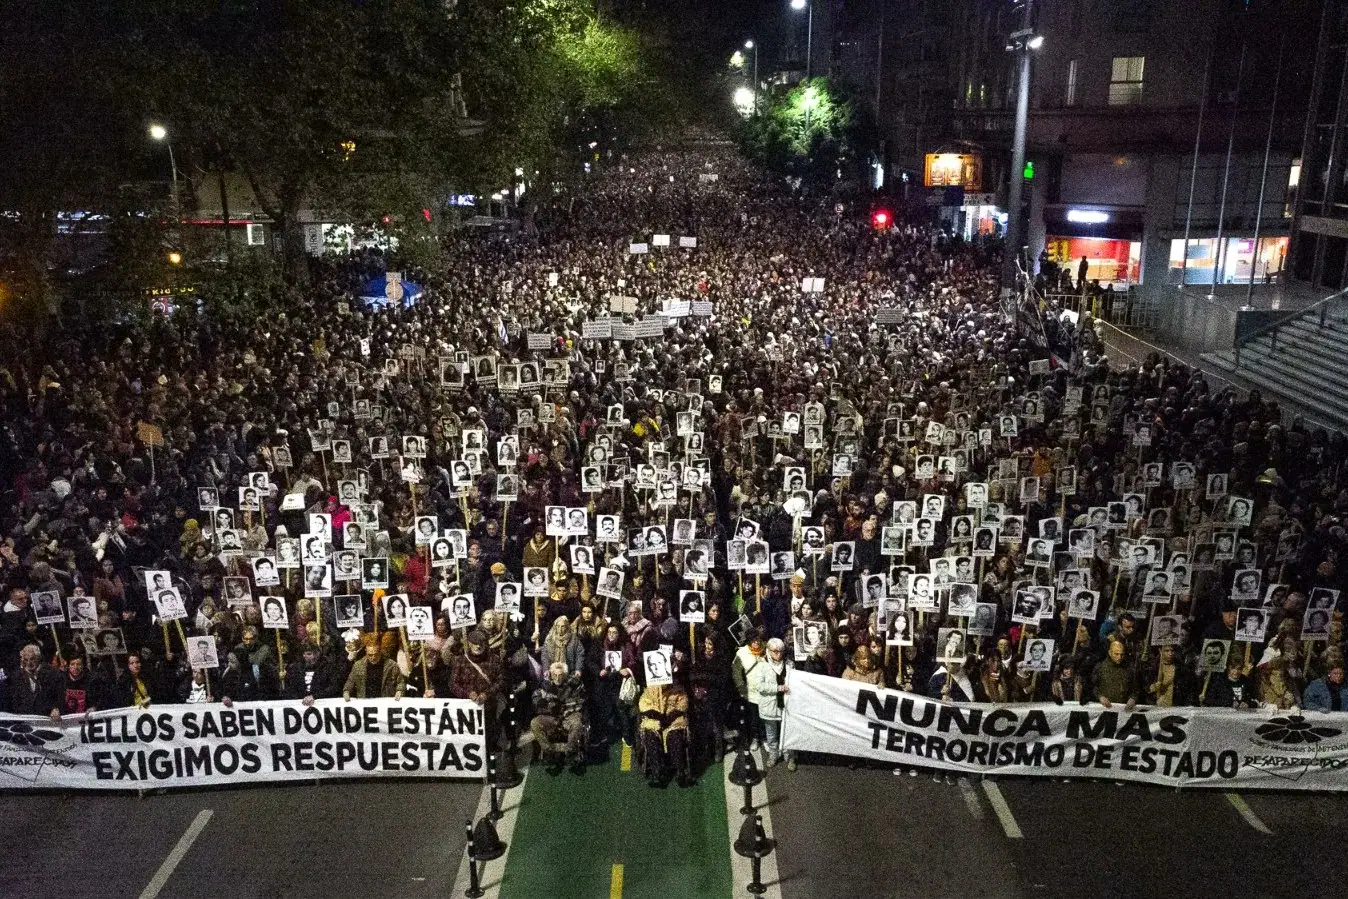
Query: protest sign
column 539, row 340
column 197, row 746
column 1225, row 749
column 602, row 329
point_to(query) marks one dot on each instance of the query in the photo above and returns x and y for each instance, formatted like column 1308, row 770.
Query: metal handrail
column 1321, row 305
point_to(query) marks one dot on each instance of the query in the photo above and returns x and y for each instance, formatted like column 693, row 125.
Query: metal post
column 1193, row 171
column 475, row 890
column 809, row 39
column 1226, row 169
column 1011, row 248
column 1263, row 175
column 879, row 62
column 755, row 77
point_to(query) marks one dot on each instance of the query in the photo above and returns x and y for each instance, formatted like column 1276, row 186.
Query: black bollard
column 492, row 780
column 754, row 844
column 745, row 773
column 475, row 890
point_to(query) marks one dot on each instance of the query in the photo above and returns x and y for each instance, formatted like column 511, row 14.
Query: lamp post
column 750, row 45
column 160, row 133
column 808, row 5
column 1024, row 42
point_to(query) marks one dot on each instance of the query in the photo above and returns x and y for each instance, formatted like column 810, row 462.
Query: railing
column 1319, row 309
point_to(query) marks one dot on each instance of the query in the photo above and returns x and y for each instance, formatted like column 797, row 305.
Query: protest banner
column 539, row 340
column 173, row 746
column 600, row 329
column 1180, row 747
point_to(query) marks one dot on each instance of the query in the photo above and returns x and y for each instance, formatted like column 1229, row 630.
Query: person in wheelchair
column 663, row 712
column 558, row 725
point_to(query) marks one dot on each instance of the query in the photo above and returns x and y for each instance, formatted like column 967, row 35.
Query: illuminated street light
column 158, row 132
column 175, row 258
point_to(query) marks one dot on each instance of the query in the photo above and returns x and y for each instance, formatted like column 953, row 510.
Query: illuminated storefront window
column 1237, row 263
column 1109, row 261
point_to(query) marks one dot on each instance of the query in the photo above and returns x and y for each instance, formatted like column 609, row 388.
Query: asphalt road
column 385, row 838
column 866, row 832
column 839, row 832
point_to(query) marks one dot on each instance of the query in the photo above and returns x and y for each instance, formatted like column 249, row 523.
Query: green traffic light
column 1029, row 170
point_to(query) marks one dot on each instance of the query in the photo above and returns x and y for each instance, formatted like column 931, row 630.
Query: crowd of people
column 613, row 478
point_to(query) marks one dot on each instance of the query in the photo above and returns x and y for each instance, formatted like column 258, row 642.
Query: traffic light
column 1029, row 170
column 881, row 219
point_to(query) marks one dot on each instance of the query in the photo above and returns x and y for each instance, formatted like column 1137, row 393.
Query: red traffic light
column 881, row 218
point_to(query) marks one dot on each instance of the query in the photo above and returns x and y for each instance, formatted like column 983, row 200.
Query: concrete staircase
column 1301, row 363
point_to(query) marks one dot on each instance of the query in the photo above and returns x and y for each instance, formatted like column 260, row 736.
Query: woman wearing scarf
column 635, row 624
column 562, row 645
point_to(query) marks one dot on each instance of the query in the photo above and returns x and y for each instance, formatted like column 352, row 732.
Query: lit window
column 1125, row 80
column 1072, row 82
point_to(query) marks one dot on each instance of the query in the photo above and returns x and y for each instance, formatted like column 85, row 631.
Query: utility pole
column 1023, row 42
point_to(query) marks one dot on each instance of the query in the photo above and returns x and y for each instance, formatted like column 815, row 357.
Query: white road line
column 741, row 868
column 998, row 803
column 971, row 799
column 491, row 873
column 161, row 877
column 1247, row 813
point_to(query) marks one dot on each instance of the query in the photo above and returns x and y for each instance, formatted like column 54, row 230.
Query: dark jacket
column 37, row 695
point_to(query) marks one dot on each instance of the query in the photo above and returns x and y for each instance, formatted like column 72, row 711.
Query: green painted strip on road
column 573, row 831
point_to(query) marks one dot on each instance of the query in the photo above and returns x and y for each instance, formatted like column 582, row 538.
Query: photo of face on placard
column 577, row 522
column 692, row 607
column 460, row 611
column 608, row 529
column 1252, row 625
column 47, row 608
column 420, row 623
column 168, row 604
column 1038, row 654
column 83, row 612
column 395, row 610
column 659, row 666
column 950, row 645
column 1213, row 658
column 374, row 573
column 756, row 560
column 275, row 615
column 202, row 654
column 349, row 611
column 843, row 556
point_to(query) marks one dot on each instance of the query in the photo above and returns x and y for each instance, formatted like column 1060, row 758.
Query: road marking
column 615, row 883
column 971, row 799
column 161, row 877
column 626, row 759
column 1247, row 813
column 741, row 869
column 998, row 803
column 491, row 873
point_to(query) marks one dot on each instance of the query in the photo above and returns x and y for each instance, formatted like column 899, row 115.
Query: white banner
column 1185, row 746
column 210, row 745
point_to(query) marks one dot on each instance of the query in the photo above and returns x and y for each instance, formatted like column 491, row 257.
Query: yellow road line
column 626, row 766
column 615, row 884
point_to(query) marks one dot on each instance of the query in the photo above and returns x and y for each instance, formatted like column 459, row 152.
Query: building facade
column 1123, row 92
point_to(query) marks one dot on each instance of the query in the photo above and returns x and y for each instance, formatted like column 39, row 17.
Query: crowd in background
column 836, row 452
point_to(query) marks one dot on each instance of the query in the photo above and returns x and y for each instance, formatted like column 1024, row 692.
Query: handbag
column 629, row 691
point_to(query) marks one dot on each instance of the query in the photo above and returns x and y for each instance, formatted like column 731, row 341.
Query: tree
column 810, row 132
column 326, row 105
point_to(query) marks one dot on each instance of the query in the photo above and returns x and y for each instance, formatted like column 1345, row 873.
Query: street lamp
column 750, row 45
column 1023, row 42
column 798, row 5
column 160, row 133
